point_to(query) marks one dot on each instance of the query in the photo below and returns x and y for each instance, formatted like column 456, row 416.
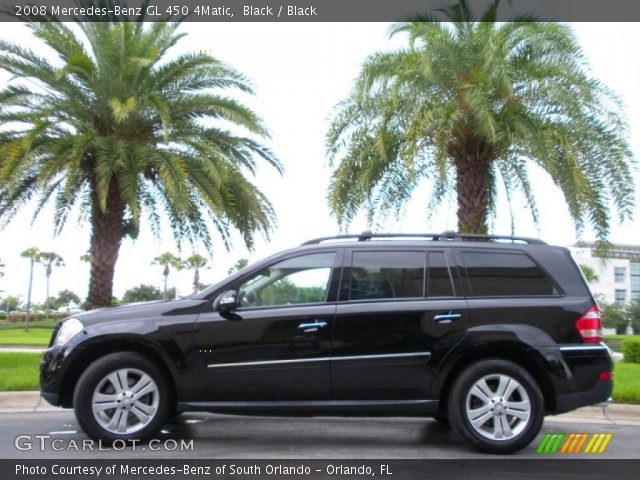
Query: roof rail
column 444, row 236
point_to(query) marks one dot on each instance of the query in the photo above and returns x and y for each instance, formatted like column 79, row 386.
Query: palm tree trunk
column 106, row 238
column 473, row 175
column 196, row 281
column 48, row 276
column 28, row 312
column 166, row 277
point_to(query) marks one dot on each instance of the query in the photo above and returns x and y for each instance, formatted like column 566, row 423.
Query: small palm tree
column 33, row 254
column 589, row 273
column 196, row 262
column 49, row 260
column 167, row 260
column 115, row 123
column 239, row 265
column 469, row 105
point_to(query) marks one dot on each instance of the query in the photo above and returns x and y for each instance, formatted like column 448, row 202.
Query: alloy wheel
column 498, row 407
column 125, row 401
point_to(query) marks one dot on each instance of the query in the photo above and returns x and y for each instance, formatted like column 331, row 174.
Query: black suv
column 488, row 333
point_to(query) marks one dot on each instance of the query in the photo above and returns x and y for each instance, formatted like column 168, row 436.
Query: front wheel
column 496, row 406
column 122, row 396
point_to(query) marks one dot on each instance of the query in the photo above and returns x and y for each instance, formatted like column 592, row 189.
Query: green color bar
column 555, row 447
column 543, row 443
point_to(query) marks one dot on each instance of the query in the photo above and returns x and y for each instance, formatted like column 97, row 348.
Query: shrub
column 633, row 314
column 614, row 316
column 631, row 350
column 18, row 317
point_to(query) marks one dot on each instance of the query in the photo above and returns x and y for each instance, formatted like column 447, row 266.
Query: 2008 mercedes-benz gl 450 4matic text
column 487, row 333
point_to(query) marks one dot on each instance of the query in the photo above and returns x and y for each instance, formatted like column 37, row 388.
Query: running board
column 311, row 408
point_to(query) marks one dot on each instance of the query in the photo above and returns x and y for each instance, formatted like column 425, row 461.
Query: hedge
column 16, row 317
column 631, row 350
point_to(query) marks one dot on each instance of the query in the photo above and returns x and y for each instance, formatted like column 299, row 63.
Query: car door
column 389, row 337
column 276, row 344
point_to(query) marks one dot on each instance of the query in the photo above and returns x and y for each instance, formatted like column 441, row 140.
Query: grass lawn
column 626, row 382
column 618, row 337
column 36, row 336
column 19, row 371
column 35, row 324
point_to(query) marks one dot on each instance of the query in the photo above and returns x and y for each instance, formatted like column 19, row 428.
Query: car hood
column 138, row 311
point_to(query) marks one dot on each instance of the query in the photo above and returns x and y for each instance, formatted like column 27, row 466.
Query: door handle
column 447, row 317
column 312, row 326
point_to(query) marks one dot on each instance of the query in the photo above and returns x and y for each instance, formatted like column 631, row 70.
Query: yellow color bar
column 605, row 443
column 596, row 445
column 591, row 442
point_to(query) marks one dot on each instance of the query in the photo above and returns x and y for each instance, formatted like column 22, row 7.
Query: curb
column 21, row 349
column 23, row 402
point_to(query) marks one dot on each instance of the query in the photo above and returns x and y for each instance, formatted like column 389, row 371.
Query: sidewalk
column 614, row 414
column 21, row 349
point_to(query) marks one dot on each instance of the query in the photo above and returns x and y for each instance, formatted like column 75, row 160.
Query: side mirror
column 226, row 302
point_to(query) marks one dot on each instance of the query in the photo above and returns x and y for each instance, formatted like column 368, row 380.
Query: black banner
column 494, row 468
column 310, row 10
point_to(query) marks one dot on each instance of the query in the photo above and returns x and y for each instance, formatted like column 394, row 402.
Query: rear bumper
column 599, row 394
column 582, row 386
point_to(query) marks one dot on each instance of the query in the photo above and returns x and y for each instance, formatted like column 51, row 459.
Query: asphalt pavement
column 237, row 437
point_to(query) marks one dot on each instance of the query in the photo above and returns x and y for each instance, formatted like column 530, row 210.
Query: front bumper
column 52, row 398
column 52, row 368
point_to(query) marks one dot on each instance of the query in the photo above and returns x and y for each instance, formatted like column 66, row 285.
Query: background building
column 618, row 274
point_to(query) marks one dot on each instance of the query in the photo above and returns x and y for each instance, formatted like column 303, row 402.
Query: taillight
column 590, row 325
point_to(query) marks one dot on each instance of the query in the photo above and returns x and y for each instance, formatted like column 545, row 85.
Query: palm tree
column 33, row 254
column 49, row 260
column 195, row 262
column 469, row 105
column 589, row 273
column 115, row 125
column 167, row 260
column 239, row 265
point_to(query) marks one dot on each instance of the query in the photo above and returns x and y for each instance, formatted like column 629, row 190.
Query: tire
column 136, row 411
column 514, row 396
column 174, row 414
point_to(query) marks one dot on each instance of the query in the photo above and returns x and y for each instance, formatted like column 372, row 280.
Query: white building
column 618, row 273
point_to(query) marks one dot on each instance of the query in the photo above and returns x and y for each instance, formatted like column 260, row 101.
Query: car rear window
column 506, row 274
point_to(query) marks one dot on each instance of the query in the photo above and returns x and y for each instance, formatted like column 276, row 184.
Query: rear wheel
column 496, row 406
column 121, row 396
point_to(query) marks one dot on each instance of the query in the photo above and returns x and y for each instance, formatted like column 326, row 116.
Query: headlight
column 70, row 328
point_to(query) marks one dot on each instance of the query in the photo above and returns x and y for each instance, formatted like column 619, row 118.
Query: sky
column 299, row 72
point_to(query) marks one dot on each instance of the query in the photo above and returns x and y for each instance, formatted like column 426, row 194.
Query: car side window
column 439, row 281
column 506, row 274
column 298, row 280
column 387, row 274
